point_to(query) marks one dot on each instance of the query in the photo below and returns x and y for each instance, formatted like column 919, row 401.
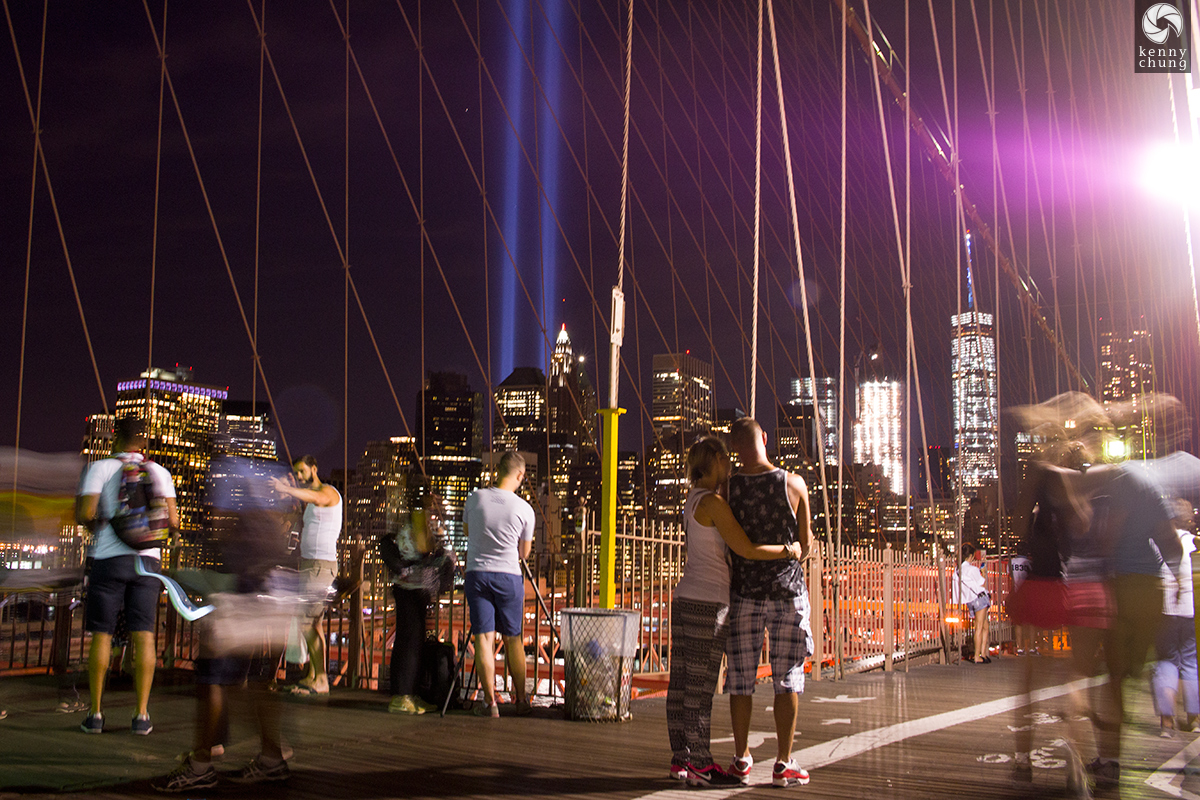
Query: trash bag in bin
column 599, row 645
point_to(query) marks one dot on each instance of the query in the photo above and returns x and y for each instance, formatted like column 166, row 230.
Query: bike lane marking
column 855, row 744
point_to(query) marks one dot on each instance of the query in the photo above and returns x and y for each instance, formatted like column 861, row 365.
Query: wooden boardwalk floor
column 937, row 731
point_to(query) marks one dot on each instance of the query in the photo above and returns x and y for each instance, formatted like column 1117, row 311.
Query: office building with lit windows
column 976, row 406
column 182, row 418
column 1127, row 376
column 245, row 429
column 97, row 441
column 724, row 419
column 449, row 427
column 572, row 424
column 521, row 418
column 377, row 492
column 813, row 401
column 571, row 398
column 631, row 485
column 878, row 433
column 683, row 393
column 682, row 409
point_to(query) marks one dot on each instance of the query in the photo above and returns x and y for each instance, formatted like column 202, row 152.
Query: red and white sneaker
column 712, row 775
column 740, row 769
column 788, row 773
column 679, row 772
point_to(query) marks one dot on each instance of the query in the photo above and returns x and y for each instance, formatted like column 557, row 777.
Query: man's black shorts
column 113, row 583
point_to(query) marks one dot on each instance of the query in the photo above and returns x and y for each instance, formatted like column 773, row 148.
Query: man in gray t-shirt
column 499, row 526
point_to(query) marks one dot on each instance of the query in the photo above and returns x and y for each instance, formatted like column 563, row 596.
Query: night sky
column 520, row 103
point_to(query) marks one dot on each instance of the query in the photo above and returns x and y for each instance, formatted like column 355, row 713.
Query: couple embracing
column 744, row 575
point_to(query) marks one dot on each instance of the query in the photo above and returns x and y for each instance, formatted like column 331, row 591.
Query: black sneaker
column 788, row 773
column 141, row 725
column 712, row 775
column 93, row 724
column 1106, row 772
column 183, row 779
column 257, row 772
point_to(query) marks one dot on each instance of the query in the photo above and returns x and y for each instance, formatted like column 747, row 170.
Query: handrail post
column 358, row 554
column 61, row 652
column 816, row 596
column 889, row 611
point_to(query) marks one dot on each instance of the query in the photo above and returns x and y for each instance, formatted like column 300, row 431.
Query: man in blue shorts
column 771, row 505
column 499, row 527
column 113, row 582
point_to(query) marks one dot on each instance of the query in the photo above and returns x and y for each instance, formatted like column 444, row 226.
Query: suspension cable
column 35, row 118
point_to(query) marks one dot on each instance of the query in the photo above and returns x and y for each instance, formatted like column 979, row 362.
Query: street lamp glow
column 1115, row 449
column 1172, row 172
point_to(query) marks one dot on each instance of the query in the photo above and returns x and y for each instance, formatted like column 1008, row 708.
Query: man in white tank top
column 318, row 559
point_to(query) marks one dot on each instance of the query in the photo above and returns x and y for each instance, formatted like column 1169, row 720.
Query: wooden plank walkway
column 938, row 731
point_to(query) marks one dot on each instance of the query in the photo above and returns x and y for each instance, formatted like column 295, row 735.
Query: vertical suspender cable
column 757, row 214
column 346, row 268
column 618, row 310
column 37, row 116
column 421, row 212
column 910, row 344
column 791, row 180
column 1187, row 219
column 841, row 430
column 487, row 301
column 912, row 356
column 162, row 80
column 262, row 45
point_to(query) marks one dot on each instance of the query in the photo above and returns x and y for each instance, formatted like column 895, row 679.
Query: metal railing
column 888, row 606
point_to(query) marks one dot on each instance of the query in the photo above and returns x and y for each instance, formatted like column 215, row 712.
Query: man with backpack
column 115, row 493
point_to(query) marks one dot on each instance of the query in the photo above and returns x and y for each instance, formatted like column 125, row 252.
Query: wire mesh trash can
column 599, row 645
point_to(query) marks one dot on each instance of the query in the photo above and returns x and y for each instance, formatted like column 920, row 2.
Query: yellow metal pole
column 610, row 418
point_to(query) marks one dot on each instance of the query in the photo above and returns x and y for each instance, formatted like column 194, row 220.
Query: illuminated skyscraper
column 683, row 393
column 976, row 396
column 571, row 403
column 723, row 422
column 879, row 429
column 976, row 403
column 571, row 397
column 377, row 491
column 245, row 429
column 682, row 410
column 818, row 398
column 521, row 418
column 182, row 417
column 97, row 442
column 631, row 485
column 940, row 472
column 1127, row 376
column 449, row 424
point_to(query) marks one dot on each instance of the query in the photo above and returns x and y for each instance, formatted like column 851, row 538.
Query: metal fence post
column 889, row 611
column 60, row 654
column 358, row 553
column 817, row 600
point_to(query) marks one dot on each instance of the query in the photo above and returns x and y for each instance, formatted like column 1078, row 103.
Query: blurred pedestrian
column 416, row 556
column 1175, row 671
column 242, row 640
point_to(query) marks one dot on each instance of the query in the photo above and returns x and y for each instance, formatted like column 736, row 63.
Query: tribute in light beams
column 530, row 214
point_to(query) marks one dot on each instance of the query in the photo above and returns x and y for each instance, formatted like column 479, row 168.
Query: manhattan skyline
column 1100, row 253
